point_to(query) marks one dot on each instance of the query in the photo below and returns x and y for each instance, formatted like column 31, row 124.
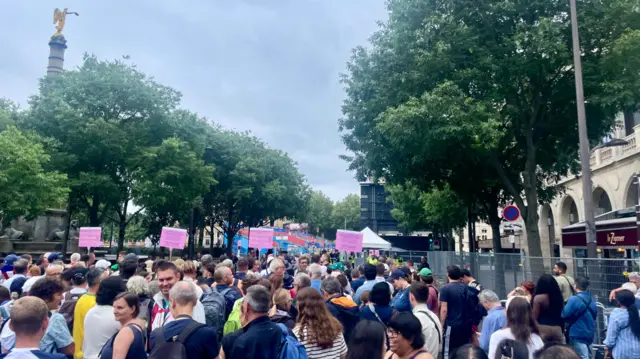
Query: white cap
column 26, row 287
column 103, row 264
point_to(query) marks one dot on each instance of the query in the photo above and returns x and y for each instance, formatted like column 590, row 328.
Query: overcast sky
column 268, row 66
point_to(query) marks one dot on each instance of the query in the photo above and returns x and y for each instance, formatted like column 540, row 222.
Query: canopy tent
column 372, row 240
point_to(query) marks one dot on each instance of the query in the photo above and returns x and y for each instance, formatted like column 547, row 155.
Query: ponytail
column 634, row 320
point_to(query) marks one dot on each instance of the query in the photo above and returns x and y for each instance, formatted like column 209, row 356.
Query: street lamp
column 585, row 156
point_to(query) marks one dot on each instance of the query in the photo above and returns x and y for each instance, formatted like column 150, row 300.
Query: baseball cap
column 406, row 271
column 103, row 264
column 10, row 259
column 397, row 274
column 425, row 272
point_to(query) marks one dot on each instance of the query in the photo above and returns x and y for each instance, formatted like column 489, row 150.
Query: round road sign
column 511, row 213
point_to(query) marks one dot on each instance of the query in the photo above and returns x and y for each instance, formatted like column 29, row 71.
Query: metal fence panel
column 503, row 272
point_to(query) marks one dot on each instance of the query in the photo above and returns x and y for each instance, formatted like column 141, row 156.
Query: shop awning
column 610, row 234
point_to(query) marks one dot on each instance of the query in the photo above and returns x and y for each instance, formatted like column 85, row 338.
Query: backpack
column 233, row 323
column 68, row 308
column 472, row 311
column 174, row 348
column 214, row 310
column 290, row 347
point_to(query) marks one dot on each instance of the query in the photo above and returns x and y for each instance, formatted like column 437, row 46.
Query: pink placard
column 261, row 238
column 173, row 238
column 90, row 237
column 349, row 241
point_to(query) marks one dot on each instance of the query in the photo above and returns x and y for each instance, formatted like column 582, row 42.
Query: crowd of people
column 293, row 307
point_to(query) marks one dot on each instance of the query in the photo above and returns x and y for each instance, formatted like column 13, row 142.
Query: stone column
column 57, row 45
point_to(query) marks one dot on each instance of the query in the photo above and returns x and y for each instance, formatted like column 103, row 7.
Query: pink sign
column 90, row 237
column 349, row 241
column 261, row 238
column 173, row 238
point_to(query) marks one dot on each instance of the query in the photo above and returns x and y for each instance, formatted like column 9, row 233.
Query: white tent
column 373, row 241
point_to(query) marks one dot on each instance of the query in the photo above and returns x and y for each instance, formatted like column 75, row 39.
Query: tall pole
column 191, row 234
column 585, row 156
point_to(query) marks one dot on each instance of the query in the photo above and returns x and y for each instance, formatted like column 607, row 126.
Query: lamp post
column 585, row 156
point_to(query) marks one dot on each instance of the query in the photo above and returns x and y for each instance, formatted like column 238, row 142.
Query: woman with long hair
column 279, row 313
column 318, row 330
column 405, row 338
column 623, row 331
column 367, row 341
column 520, row 327
column 130, row 341
column 547, row 306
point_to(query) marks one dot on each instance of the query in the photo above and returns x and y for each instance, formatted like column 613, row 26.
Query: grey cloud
column 269, row 66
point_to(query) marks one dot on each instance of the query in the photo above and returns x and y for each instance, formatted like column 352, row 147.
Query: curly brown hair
column 314, row 320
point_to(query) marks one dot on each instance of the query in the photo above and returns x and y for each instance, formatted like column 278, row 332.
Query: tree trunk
column 122, row 227
column 67, row 229
column 93, row 213
column 201, row 236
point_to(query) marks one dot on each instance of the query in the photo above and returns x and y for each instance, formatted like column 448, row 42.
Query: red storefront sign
column 617, row 233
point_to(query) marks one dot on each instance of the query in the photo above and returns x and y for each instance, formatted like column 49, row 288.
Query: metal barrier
column 503, row 272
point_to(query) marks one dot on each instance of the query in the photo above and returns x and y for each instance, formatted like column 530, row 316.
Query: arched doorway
column 631, row 198
column 568, row 212
column 601, row 201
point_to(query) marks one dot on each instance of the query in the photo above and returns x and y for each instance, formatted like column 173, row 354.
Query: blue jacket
column 581, row 318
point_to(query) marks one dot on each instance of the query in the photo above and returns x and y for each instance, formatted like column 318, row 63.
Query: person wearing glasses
column 405, row 338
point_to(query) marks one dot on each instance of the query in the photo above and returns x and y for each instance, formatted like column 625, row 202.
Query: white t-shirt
column 99, row 326
column 431, row 328
column 338, row 349
column 535, row 342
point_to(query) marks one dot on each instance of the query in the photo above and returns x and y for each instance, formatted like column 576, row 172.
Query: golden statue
column 59, row 18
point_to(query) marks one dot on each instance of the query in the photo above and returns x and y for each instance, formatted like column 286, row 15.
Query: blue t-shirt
column 384, row 312
column 30, row 353
column 57, row 335
column 316, row 283
column 401, row 301
column 203, row 343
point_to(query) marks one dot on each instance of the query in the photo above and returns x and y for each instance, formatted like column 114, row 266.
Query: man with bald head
column 29, row 321
column 224, row 278
column 201, row 340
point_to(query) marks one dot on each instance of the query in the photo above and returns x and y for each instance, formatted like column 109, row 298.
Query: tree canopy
column 446, row 87
column 127, row 153
column 26, row 188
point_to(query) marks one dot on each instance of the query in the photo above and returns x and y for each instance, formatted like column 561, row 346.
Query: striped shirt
column 620, row 340
column 338, row 349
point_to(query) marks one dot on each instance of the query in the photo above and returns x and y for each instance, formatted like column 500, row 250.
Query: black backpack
column 173, row 348
column 473, row 312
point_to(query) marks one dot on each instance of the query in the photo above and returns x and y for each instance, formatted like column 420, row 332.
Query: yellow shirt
column 86, row 302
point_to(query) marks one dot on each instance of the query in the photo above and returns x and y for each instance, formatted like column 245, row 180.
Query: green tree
column 255, row 184
column 319, row 211
column 9, row 113
column 110, row 125
column 445, row 84
column 346, row 213
column 26, row 189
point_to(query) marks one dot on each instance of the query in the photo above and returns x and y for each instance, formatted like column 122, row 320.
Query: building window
column 484, row 231
column 364, row 209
